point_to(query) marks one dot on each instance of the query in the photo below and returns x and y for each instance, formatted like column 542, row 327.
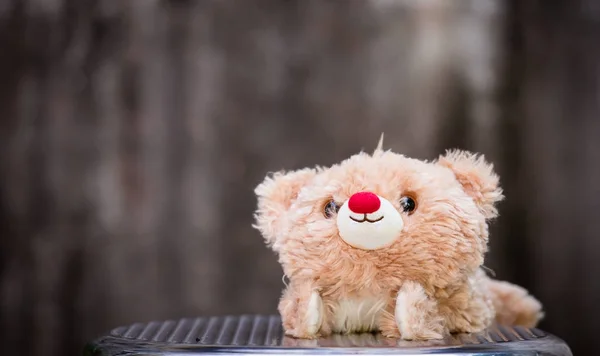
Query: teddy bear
column 386, row 243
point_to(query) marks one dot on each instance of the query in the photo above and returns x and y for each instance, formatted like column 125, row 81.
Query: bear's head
column 380, row 219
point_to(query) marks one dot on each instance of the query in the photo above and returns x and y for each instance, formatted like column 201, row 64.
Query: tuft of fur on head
column 477, row 178
column 379, row 148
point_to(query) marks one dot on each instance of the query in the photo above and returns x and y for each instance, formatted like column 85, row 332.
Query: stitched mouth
column 366, row 219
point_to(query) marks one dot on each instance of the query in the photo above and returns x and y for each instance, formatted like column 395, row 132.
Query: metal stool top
column 263, row 334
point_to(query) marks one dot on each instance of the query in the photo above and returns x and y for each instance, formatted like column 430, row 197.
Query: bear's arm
column 417, row 315
column 301, row 309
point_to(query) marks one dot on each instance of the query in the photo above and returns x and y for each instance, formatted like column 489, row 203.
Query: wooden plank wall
column 133, row 133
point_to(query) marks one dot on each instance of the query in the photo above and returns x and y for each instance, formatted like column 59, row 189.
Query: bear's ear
column 477, row 178
column 275, row 196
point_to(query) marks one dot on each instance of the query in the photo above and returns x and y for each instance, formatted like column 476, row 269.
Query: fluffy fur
column 427, row 283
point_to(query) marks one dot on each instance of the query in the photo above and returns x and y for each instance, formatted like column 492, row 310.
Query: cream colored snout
column 369, row 222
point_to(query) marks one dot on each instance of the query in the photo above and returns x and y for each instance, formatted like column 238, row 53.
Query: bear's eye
column 331, row 208
column 408, row 204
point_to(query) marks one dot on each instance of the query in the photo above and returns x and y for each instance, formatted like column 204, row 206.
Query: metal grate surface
column 259, row 330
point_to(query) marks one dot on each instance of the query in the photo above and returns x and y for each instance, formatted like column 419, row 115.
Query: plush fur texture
column 424, row 285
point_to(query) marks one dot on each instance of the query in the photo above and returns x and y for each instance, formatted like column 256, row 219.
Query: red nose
column 364, row 203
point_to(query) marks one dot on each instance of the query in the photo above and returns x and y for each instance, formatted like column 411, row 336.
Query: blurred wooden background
column 132, row 134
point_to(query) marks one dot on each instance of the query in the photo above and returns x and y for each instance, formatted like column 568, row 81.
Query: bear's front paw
column 302, row 318
column 417, row 315
column 314, row 314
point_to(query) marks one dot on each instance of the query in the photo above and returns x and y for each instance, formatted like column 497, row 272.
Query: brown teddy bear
column 387, row 243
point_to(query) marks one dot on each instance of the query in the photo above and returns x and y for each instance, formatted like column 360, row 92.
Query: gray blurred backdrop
column 133, row 132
